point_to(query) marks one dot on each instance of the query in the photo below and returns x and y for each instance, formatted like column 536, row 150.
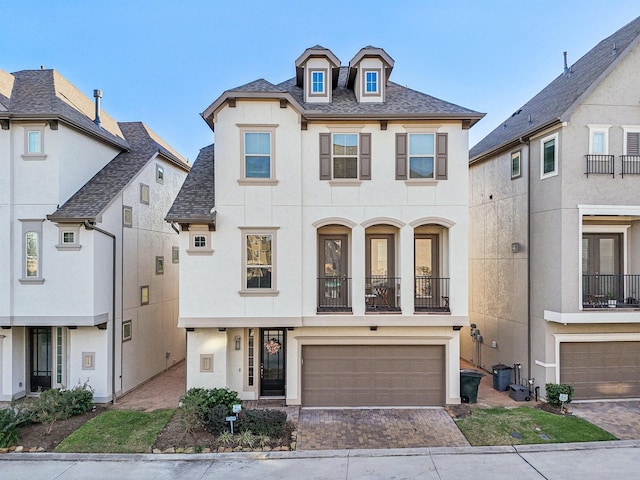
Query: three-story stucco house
column 88, row 272
column 324, row 251
column 555, row 229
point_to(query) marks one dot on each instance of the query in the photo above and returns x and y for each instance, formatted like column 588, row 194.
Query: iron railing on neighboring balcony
column 630, row 164
column 431, row 294
column 619, row 291
column 600, row 165
column 382, row 294
column 334, row 294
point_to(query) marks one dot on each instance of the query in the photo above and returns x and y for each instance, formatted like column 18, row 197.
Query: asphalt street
column 585, row 461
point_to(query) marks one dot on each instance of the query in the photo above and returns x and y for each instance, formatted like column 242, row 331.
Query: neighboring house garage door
column 601, row 369
column 373, row 375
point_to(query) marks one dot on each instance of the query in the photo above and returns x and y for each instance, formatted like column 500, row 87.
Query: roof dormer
column 317, row 71
column 369, row 73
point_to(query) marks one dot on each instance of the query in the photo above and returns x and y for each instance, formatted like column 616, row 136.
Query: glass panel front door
column 272, row 366
column 40, row 358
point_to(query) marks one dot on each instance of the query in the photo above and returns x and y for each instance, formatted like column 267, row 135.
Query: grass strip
column 117, row 431
column 526, row 425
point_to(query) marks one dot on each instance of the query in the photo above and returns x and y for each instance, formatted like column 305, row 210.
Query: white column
column 406, row 270
column 357, row 270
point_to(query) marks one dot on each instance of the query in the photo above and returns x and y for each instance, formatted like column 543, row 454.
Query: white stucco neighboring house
column 555, row 230
column 88, row 288
column 324, row 243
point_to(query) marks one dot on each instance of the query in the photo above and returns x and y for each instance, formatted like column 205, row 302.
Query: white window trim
column 193, row 250
column 378, row 91
column 75, row 229
column 127, row 323
column 31, row 225
column 124, row 222
column 599, row 129
column 37, row 155
column 324, row 73
column 519, row 154
column 145, row 188
column 159, row 173
column 266, row 128
column 244, row 231
column 159, row 265
column 142, row 288
column 553, row 172
column 628, row 129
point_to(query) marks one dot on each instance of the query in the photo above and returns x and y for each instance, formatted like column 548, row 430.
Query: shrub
column 79, row 399
column 197, row 405
column 10, row 420
column 554, row 390
column 56, row 404
column 215, row 420
column 263, row 422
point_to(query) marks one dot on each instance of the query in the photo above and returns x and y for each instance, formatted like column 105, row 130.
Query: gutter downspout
column 528, row 145
column 90, row 226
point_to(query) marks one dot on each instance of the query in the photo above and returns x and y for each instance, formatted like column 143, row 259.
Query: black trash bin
column 469, row 381
column 501, row 377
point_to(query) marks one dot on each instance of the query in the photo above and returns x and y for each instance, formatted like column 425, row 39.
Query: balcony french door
column 382, row 287
column 333, row 280
column 602, row 261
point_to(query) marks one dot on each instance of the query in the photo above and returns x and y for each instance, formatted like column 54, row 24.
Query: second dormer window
column 317, row 82
column 371, row 82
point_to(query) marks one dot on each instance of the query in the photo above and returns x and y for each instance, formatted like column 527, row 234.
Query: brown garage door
column 372, row 375
column 601, row 369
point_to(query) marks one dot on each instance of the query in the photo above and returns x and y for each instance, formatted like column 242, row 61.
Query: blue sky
column 164, row 61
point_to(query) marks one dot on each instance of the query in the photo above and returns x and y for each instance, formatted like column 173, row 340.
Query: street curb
column 311, row 454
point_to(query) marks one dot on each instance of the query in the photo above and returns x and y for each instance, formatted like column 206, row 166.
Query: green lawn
column 526, row 425
column 117, row 431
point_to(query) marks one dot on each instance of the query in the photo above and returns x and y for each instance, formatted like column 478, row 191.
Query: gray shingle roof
column 260, row 85
column 557, row 98
column 94, row 197
column 196, row 198
column 48, row 95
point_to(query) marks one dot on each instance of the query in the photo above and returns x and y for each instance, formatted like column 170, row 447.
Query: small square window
column 159, row 174
column 175, row 255
column 126, row 331
column 144, row 194
column 68, row 237
column 199, row 241
column 515, row 164
column 159, row 265
column 127, row 216
column 144, row 295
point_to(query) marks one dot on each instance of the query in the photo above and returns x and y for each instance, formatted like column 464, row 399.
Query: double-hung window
column 257, row 155
column 345, row 155
column 34, row 143
column 259, row 261
column 516, row 166
column 549, row 156
column 421, row 155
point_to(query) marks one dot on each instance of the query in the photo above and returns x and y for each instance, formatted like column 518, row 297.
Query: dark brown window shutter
column 441, row 156
column 401, row 156
column 325, row 156
column 365, row 156
column 633, row 143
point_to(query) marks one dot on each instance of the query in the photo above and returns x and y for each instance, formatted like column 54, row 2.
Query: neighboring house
column 330, row 267
column 87, row 251
column 555, row 229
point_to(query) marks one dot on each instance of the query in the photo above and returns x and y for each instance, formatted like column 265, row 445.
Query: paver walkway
column 162, row 391
column 335, row 429
column 621, row 419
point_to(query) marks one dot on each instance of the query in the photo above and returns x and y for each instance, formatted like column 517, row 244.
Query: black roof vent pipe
column 97, row 94
column 566, row 68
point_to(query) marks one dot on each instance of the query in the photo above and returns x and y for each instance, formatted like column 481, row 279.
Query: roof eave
column 209, row 220
column 469, row 120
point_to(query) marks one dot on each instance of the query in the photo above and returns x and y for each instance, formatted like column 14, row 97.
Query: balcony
column 630, row 164
column 382, row 294
column 599, row 165
column 334, row 295
column 610, row 291
column 431, row 294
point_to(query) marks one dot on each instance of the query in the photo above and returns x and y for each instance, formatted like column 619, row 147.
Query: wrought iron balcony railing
column 600, row 165
column 621, row 291
column 630, row 164
column 334, row 294
column 431, row 294
column 382, row 294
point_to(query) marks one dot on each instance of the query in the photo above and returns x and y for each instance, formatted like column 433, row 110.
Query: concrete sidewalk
column 585, row 461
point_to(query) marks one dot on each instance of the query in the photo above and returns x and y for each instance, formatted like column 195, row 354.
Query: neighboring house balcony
column 606, row 165
column 431, row 294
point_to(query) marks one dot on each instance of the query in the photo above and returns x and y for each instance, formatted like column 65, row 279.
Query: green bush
column 79, row 399
column 262, row 422
column 10, row 420
column 216, row 419
column 57, row 404
column 554, row 390
column 198, row 403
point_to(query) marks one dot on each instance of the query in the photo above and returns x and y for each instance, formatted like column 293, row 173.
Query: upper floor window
column 144, row 194
column 34, row 143
column 345, row 156
column 516, row 166
column 199, row 241
column 258, row 269
column 32, row 240
column 421, row 156
column 31, row 251
column 159, row 174
column 632, row 141
column 258, row 159
column 69, row 237
column 371, row 82
column 599, row 139
column 127, row 216
column 317, row 81
column 200, row 244
column 549, row 156
column 175, row 254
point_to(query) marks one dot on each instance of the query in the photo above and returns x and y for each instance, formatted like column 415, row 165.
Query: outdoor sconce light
column 236, row 342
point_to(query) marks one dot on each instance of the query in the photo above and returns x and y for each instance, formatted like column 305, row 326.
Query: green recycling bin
column 469, row 382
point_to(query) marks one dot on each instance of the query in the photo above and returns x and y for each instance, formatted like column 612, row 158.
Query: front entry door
column 40, row 358
column 272, row 365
